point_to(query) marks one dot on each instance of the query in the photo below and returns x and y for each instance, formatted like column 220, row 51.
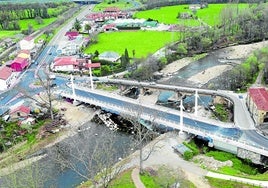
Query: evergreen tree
column 77, row 25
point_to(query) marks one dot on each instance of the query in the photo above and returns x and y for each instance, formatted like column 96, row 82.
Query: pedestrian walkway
column 238, row 179
column 136, row 178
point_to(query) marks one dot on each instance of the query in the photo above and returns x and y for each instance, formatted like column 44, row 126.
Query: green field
column 24, row 26
column 143, row 42
column 167, row 15
column 24, row 23
column 122, row 4
column 5, row 34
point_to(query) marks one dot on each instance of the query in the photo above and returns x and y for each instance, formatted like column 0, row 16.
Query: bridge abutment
column 246, row 154
column 183, row 135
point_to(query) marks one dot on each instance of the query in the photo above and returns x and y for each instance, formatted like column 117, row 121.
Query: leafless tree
column 29, row 175
column 91, row 159
column 46, row 97
column 142, row 134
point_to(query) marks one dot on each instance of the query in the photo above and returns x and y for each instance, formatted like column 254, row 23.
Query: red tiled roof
column 19, row 60
column 19, row 63
column 5, row 73
column 81, row 61
column 72, row 33
column 109, row 26
column 93, row 65
column 21, row 108
column 61, row 61
column 260, row 98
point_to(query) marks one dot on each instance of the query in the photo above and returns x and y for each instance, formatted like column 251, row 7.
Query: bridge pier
column 183, row 135
column 195, row 103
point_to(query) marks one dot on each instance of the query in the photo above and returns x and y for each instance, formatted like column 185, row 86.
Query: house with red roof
column 72, row 64
column 257, row 102
column 6, row 77
column 27, row 43
column 19, row 64
column 72, row 34
column 20, row 112
column 65, row 63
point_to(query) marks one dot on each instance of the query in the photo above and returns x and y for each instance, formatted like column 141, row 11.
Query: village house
column 257, row 102
column 72, row 64
column 65, row 63
column 111, row 13
column 20, row 112
column 109, row 56
column 71, row 34
column 7, row 77
column 19, row 64
column 27, row 43
column 24, row 54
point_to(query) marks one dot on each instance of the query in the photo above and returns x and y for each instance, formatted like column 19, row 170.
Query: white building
column 72, row 64
column 27, row 43
column 7, row 77
column 109, row 56
column 67, row 64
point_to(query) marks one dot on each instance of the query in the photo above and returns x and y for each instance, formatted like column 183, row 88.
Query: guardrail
column 162, row 120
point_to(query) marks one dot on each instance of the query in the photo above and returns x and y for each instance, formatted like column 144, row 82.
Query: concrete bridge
column 84, row 2
column 244, row 142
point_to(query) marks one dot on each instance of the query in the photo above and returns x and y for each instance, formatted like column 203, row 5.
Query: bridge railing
column 170, row 123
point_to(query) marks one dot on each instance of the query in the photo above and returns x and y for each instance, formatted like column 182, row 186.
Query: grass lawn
column 122, row 4
column 219, row 183
column 167, row 15
column 24, row 23
column 211, row 15
column 6, row 34
column 123, row 180
column 24, row 26
column 143, row 42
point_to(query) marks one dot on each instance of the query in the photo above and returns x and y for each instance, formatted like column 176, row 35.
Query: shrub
column 188, row 155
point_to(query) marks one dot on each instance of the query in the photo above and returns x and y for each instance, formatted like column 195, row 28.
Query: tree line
column 150, row 4
column 11, row 13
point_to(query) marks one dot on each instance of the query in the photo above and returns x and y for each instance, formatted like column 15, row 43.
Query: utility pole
column 72, row 83
column 91, row 79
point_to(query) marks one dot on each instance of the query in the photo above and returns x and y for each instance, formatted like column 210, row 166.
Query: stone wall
column 245, row 154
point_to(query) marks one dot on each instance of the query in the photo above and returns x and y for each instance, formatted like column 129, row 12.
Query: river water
column 53, row 171
column 215, row 58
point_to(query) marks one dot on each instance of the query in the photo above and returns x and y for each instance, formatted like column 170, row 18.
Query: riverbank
column 233, row 54
column 76, row 116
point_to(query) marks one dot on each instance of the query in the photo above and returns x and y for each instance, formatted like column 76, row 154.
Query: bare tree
column 91, row 158
column 142, row 134
column 24, row 174
column 46, row 97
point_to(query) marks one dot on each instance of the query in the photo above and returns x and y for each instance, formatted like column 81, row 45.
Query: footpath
column 165, row 155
